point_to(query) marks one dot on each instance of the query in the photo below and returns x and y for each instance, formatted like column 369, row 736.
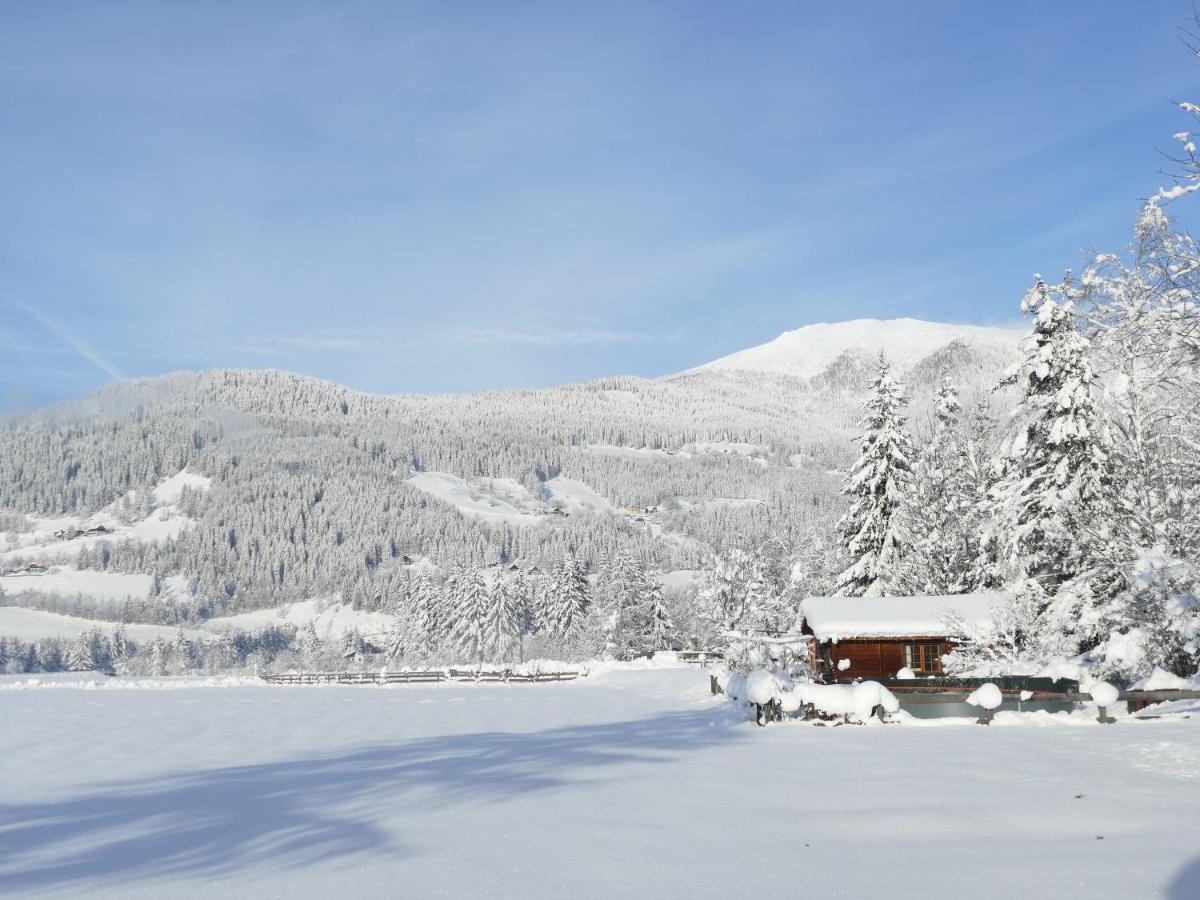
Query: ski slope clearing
column 168, row 491
column 809, row 351
column 66, row 581
column 164, row 522
column 498, row 499
column 626, row 783
column 35, row 624
column 575, row 496
column 330, row 619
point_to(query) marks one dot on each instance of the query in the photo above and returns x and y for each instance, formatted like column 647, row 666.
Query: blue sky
column 456, row 196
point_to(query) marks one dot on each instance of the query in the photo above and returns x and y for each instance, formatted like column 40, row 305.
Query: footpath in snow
column 634, row 783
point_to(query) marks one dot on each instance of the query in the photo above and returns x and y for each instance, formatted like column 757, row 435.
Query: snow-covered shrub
column 1104, row 694
column 986, row 696
column 858, row 700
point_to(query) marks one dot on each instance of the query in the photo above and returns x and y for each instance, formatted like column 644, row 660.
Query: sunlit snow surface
column 625, row 784
column 808, row 351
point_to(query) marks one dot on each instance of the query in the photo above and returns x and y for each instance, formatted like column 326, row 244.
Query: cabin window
column 924, row 658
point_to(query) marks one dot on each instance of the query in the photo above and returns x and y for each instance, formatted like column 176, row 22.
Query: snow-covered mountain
column 807, row 352
column 311, row 489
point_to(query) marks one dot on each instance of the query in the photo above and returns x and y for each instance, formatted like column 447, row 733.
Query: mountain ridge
column 808, row 351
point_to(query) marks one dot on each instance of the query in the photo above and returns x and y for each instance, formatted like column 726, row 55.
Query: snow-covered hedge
column 858, row 701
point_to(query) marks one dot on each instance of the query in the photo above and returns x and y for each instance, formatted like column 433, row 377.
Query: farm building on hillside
column 876, row 637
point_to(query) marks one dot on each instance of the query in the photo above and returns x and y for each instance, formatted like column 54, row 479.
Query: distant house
column 514, row 568
column 367, row 650
column 36, row 569
column 95, row 530
column 876, row 637
column 406, row 560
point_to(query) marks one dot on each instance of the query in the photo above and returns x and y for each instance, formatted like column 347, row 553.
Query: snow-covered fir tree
column 943, row 508
column 79, row 654
column 564, row 602
column 632, row 603
column 467, row 628
column 1052, row 503
column 724, row 593
column 876, row 486
column 506, row 604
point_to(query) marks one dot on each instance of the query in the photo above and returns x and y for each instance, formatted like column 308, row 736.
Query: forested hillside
column 311, row 486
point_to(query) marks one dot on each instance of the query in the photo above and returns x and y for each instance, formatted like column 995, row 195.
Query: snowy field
column 632, row 783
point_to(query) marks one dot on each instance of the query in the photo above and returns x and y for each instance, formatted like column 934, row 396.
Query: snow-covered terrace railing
column 699, row 657
column 430, row 676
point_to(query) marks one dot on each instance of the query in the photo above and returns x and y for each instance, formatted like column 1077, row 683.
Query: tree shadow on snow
column 310, row 811
column 1186, row 883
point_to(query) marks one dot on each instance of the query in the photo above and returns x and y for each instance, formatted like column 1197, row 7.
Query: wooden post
column 1104, row 718
column 986, row 718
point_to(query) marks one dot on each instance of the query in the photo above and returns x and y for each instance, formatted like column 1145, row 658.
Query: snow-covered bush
column 986, row 696
column 859, row 700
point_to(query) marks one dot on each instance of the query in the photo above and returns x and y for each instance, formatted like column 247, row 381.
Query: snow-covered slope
column 808, row 351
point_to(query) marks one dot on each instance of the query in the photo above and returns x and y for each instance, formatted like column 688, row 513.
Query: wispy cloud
column 87, row 352
column 548, row 337
column 289, row 345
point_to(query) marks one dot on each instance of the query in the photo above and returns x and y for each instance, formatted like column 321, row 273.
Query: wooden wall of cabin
column 868, row 658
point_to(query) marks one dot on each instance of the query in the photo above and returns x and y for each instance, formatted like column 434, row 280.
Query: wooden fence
column 700, row 657
column 432, row 676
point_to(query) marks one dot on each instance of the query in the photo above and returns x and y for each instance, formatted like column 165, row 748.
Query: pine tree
column 655, row 628
column 159, row 653
column 635, row 618
column 308, row 642
column 183, row 652
column 876, row 487
column 772, row 606
column 79, row 655
column 121, row 650
column 468, row 625
column 502, row 625
column 1056, row 473
column 943, row 508
column 565, row 601
column 725, row 585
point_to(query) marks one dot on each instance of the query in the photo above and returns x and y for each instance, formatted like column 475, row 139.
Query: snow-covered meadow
column 628, row 782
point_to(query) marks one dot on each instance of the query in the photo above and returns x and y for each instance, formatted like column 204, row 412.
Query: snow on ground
column 163, row 523
column 576, row 496
column 717, row 503
column 679, row 579
column 498, row 499
column 168, row 491
column 630, row 452
column 632, row 783
column 753, row 452
column 67, row 581
column 34, row 624
column 808, row 351
column 330, row 619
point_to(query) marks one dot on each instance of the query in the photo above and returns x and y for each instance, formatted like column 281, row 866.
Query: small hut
column 876, row 637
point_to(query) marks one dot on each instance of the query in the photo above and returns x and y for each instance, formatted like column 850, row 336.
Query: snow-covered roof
column 837, row 618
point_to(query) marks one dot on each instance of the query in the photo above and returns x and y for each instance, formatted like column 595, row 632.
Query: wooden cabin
column 875, row 637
